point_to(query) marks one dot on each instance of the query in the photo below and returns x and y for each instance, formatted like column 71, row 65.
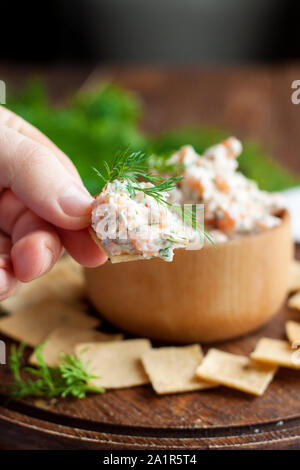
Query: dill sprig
column 125, row 165
column 160, row 187
column 70, row 377
column 132, row 167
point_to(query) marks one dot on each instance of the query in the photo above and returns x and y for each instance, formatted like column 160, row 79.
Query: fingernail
column 5, row 279
column 76, row 202
column 47, row 261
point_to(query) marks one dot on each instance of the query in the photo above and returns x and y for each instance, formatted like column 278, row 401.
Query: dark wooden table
column 249, row 102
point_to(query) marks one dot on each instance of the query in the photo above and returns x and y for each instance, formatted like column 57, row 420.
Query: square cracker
column 64, row 340
column 235, row 371
column 116, row 364
column 64, row 282
column 34, row 323
column 292, row 329
column 172, row 369
column 294, row 278
column 294, row 301
column 276, row 352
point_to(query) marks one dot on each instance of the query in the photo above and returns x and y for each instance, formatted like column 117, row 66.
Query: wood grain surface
column 137, row 418
column 249, row 102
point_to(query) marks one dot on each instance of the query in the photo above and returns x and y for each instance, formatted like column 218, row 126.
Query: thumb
column 41, row 182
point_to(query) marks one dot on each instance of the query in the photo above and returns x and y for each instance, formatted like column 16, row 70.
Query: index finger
column 15, row 122
column 41, row 182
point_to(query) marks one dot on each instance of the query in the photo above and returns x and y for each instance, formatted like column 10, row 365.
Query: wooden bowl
column 206, row 295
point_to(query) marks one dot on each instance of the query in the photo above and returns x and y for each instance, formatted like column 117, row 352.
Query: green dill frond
column 161, row 186
column 132, row 167
column 125, row 165
column 15, row 360
column 70, row 377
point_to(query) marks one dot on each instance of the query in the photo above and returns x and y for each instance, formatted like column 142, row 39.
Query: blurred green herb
column 93, row 126
column 70, row 377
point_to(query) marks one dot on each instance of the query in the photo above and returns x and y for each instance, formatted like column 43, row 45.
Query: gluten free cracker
column 235, row 371
column 64, row 339
column 292, row 329
column 276, row 352
column 172, row 369
column 294, row 301
column 33, row 324
column 64, row 282
column 294, row 278
column 117, row 364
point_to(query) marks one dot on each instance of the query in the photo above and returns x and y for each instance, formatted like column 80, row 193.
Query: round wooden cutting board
column 138, row 419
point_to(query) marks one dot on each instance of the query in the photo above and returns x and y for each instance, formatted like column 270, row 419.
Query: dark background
column 150, row 31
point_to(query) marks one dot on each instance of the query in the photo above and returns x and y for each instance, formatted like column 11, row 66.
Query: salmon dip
column 135, row 223
column 138, row 224
column 234, row 205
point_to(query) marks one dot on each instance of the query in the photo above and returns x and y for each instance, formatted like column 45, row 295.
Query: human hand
column 43, row 206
